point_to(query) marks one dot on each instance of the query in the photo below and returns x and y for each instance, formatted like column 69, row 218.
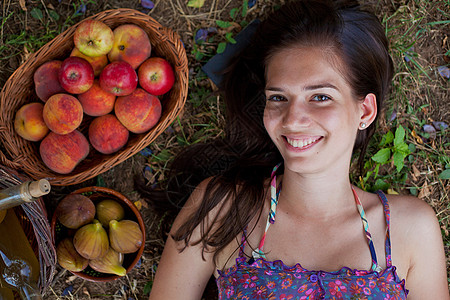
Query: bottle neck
column 23, row 193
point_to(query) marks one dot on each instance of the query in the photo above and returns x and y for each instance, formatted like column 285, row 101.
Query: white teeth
column 300, row 143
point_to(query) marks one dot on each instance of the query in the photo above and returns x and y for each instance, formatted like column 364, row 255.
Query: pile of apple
column 109, row 76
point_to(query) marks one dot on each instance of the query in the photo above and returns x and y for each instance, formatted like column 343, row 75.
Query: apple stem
column 154, row 77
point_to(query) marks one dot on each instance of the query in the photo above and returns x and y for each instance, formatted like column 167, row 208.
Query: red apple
column 46, row 80
column 97, row 62
column 93, row 38
column 118, row 78
column 76, row 75
column 156, row 76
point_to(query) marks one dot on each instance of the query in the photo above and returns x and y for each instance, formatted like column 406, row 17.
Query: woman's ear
column 368, row 108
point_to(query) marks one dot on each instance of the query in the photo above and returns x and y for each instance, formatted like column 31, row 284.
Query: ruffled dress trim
column 278, row 265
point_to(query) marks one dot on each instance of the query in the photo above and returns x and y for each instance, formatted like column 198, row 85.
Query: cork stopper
column 39, row 188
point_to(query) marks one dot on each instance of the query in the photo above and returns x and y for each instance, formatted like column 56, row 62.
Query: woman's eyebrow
column 307, row 88
column 320, row 86
column 274, row 89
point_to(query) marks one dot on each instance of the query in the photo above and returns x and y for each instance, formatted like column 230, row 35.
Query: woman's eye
column 321, row 98
column 275, row 98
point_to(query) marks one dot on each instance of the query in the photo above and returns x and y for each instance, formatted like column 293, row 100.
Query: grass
column 418, row 93
column 416, row 30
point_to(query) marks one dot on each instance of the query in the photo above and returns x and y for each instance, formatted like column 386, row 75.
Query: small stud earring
column 362, row 125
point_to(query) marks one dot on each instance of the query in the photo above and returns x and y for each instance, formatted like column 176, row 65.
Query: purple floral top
column 258, row 278
column 272, row 280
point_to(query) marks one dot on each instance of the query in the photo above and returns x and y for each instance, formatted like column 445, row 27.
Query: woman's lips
column 302, row 143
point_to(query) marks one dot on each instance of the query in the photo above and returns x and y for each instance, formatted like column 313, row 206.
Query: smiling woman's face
column 311, row 114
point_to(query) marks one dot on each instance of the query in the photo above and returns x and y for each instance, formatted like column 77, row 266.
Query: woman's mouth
column 302, row 143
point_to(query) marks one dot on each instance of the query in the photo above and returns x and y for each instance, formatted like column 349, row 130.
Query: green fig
column 91, row 240
column 108, row 210
column 69, row 258
column 110, row 263
column 75, row 210
column 125, row 236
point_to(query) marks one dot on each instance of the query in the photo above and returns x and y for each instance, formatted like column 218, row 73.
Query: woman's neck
column 322, row 196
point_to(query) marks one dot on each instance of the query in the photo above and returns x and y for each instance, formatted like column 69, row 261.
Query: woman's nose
column 297, row 115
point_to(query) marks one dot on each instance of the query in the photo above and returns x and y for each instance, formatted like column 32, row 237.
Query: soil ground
column 185, row 20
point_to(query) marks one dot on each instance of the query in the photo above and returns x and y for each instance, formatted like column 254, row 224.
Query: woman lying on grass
column 278, row 218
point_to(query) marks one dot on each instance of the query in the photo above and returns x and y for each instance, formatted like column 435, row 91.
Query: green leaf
column 377, row 170
column 198, row 55
column 164, row 155
column 244, row 8
column 402, row 148
column 380, row 185
column 223, row 24
column 398, row 160
column 229, row 37
column 196, row 3
column 54, row 15
column 387, row 138
column 233, row 12
column 412, row 148
column 37, row 13
column 445, row 174
column 221, row 47
column 382, row 156
column 181, row 141
column 148, row 287
column 413, row 191
column 399, row 135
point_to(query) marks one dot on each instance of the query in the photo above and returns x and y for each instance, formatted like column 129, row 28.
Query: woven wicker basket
column 33, row 219
column 19, row 89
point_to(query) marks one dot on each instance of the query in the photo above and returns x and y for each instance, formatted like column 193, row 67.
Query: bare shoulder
column 411, row 213
column 183, row 262
column 416, row 231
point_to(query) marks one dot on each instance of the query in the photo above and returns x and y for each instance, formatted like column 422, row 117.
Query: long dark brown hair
column 246, row 155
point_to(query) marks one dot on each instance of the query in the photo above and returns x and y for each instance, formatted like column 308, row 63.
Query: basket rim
column 14, row 159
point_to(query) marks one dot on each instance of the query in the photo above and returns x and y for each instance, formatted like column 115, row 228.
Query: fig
column 75, row 210
column 125, row 236
column 108, row 210
column 69, row 258
column 110, row 263
column 91, row 240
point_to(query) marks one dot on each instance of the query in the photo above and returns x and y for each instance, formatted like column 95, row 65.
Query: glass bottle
column 23, row 193
column 19, row 266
